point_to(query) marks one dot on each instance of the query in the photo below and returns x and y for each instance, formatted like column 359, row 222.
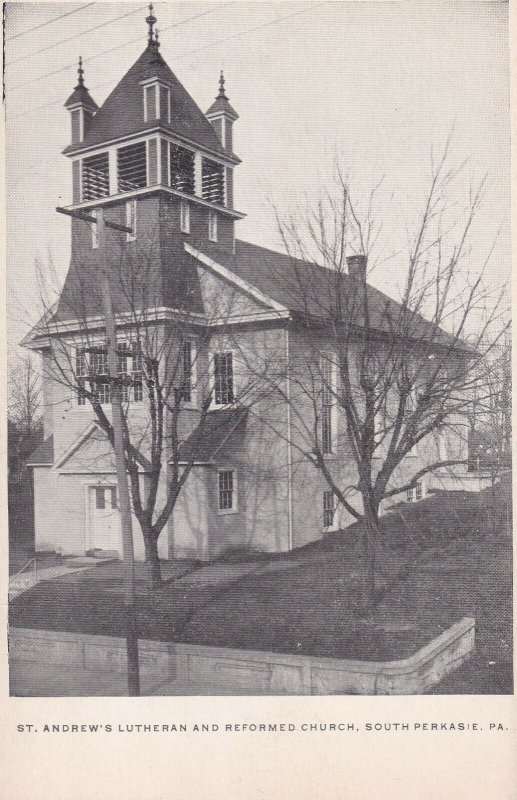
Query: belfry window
column 181, row 169
column 132, row 167
column 95, row 174
column 212, row 181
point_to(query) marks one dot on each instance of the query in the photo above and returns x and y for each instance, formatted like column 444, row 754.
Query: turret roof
column 122, row 112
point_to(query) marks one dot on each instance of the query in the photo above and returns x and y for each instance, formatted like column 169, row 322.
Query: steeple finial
column 221, row 86
column 151, row 21
column 80, row 72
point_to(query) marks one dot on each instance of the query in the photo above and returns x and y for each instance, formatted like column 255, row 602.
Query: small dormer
column 156, row 101
column 221, row 116
column 81, row 107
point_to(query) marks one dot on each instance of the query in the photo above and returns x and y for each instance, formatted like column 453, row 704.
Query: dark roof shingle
column 43, row 454
column 206, row 441
column 122, row 113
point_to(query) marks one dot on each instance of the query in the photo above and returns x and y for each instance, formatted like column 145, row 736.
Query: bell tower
column 159, row 165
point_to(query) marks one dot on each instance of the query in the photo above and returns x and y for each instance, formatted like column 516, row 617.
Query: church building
column 158, row 166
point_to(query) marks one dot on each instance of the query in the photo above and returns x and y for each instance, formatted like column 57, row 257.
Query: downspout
column 289, row 452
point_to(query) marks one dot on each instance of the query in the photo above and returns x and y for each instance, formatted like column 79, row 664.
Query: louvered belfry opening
column 213, row 181
column 132, row 167
column 96, row 177
column 182, row 169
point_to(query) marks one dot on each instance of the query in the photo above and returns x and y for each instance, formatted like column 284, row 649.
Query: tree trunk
column 371, row 529
column 152, row 559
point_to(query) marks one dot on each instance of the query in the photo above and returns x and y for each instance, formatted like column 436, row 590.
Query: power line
column 74, row 36
column 112, row 49
column 42, row 24
column 191, row 52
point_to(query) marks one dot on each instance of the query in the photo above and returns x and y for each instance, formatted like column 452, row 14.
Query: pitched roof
column 206, row 441
column 314, row 291
column 122, row 112
column 42, row 455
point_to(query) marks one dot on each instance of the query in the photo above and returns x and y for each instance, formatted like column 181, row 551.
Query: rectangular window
column 131, row 220
column 81, row 371
column 132, row 167
column 105, row 497
column 165, row 111
column 95, row 231
column 95, row 177
column 212, row 177
column 100, row 499
column 328, row 509
column 91, row 370
column 223, row 378
column 150, row 103
column 181, row 169
column 327, row 433
column 185, row 217
column 416, row 493
column 137, row 372
column 226, row 490
column 187, row 364
column 212, row 226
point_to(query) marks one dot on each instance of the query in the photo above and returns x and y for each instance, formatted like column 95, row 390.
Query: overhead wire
column 43, row 24
column 117, row 47
column 74, row 36
column 191, row 52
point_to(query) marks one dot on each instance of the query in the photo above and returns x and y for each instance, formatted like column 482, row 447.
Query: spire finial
column 80, row 72
column 151, row 21
column 221, row 85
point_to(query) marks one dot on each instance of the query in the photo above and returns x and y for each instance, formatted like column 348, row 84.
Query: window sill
column 223, row 512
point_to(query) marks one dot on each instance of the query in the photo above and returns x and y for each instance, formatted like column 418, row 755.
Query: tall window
column 181, row 169
column 329, row 509
column 327, row 433
column 131, row 220
column 132, row 167
column 212, row 176
column 226, row 490
column 96, row 177
column 95, row 231
column 91, row 370
column 212, row 225
column 187, row 372
column 223, row 378
column 185, row 217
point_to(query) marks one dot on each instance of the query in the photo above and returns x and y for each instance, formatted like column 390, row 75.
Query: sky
column 377, row 85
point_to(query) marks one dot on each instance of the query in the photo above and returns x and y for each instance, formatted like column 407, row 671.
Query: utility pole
column 128, row 556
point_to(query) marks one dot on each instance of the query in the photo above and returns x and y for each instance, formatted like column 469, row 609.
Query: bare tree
column 379, row 381
column 168, row 374
column 24, row 395
column 23, row 411
column 490, row 434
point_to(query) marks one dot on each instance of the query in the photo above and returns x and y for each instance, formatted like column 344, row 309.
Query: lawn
column 307, row 601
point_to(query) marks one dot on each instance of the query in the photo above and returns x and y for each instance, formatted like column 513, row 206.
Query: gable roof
column 43, row 455
column 310, row 290
column 122, row 113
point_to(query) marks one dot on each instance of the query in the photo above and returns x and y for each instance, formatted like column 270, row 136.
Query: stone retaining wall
column 254, row 671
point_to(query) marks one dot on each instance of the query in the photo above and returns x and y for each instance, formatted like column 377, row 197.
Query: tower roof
column 81, row 93
column 122, row 112
column 222, row 103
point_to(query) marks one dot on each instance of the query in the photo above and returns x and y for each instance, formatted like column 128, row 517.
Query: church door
column 105, row 518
